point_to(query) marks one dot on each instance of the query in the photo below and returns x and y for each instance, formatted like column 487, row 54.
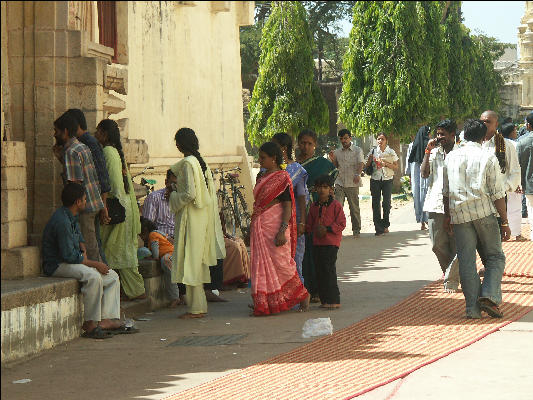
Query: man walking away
column 473, row 193
column 349, row 159
column 524, row 148
column 65, row 255
column 432, row 165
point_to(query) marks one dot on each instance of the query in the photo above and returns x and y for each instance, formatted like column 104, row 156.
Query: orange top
column 161, row 242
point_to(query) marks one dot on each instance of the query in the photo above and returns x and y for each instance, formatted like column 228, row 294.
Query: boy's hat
column 324, row 180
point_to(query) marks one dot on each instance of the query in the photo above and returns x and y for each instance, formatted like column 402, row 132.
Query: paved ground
column 374, row 273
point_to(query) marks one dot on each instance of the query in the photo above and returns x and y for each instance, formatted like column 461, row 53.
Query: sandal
column 191, row 316
column 97, row 333
column 122, row 329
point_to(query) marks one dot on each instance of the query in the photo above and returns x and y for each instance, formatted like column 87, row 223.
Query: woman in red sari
column 276, row 285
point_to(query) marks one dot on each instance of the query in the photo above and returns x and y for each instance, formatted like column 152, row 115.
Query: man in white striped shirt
column 474, row 193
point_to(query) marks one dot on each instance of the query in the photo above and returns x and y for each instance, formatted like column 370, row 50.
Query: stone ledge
column 149, row 268
column 41, row 289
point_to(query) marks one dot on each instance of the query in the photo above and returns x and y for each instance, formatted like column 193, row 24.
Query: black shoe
column 490, row 308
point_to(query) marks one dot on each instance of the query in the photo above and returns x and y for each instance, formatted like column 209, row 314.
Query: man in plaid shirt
column 79, row 168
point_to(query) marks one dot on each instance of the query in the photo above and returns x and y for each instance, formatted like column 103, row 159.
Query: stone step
column 21, row 262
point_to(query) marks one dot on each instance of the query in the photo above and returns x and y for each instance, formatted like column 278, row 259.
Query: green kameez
column 120, row 240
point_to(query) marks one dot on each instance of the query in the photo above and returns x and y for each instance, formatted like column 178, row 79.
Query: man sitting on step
column 64, row 255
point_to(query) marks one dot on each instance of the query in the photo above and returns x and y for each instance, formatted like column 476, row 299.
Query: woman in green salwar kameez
column 198, row 233
column 120, row 241
column 315, row 167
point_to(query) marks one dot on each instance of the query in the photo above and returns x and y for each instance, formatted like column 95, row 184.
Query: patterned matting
column 421, row 329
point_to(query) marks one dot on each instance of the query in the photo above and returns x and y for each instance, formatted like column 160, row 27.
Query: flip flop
column 97, row 333
column 122, row 330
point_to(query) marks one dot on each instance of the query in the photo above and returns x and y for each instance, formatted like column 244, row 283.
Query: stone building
column 152, row 66
column 525, row 64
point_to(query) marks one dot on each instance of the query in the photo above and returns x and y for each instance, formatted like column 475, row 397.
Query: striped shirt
column 434, row 199
column 472, row 182
column 79, row 167
column 157, row 210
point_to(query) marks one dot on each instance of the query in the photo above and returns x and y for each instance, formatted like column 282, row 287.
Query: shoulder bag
column 116, row 211
column 370, row 169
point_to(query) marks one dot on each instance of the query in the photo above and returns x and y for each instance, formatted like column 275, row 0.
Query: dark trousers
column 308, row 267
column 378, row 189
column 325, row 258
column 217, row 276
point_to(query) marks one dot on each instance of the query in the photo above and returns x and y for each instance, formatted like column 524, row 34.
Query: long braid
column 499, row 142
column 189, row 143
column 113, row 136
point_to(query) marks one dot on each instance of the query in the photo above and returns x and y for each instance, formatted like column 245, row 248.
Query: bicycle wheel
column 242, row 216
column 229, row 218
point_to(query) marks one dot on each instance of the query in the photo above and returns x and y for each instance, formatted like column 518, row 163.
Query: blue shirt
column 98, row 159
column 61, row 241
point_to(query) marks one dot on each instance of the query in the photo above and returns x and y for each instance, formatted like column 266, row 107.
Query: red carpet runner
column 424, row 327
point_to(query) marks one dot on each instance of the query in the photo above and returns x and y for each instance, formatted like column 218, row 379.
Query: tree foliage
column 285, row 96
column 409, row 63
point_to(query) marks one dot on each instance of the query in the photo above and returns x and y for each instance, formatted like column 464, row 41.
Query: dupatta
column 266, row 190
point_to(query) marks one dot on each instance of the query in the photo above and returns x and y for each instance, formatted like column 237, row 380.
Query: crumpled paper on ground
column 317, row 327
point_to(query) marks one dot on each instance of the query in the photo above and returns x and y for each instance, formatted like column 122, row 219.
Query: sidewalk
column 374, row 273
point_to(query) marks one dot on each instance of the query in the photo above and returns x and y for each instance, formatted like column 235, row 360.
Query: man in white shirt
column 432, row 168
column 349, row 159
column 473, row 193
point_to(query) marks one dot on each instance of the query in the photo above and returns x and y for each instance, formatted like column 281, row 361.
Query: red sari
column 276, row 285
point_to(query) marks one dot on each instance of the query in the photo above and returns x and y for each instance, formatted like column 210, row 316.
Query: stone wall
column 184, row 70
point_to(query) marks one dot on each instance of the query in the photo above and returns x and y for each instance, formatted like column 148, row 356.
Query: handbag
column 370, row 169
column 116, row 211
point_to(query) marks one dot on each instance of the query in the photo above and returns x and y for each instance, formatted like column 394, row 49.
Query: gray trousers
column 172, row 288
column 444, row 248
column 352, row 194
column 101, row 293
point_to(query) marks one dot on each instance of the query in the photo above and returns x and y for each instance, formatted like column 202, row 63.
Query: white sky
column 499, row 19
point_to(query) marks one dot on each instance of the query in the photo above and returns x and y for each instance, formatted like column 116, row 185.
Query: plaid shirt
column 98, row 159
column 79, row 166
column 157, row 210
column 472, row 182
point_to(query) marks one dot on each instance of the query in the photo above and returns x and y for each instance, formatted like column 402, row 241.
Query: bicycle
column 232, row 207
column 145, row 187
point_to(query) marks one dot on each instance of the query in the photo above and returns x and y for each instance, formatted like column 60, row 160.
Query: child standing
column 326, row 220
column 161, row 248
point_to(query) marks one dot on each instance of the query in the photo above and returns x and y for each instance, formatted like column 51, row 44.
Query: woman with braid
column 120, row 240
column 198, row 239
column 505, row 152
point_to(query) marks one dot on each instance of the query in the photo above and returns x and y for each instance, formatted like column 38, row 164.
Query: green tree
column 285, row 96
column 388, row 81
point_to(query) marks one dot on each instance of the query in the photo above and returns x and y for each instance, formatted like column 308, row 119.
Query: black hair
column 529, row 118
column 147, row 225
column 67, row 121
column 308, row 132
column 474, row 130
column 272, row 149
column 507, row 129
column 78, row 115
column 343, row 132
column 324, row 180
column 448, row 125
column 188, row 142
column 507, row 120
column 110, row 127
column 284, row 140
column 71, row 193
column 170, row 174
column 382, row 134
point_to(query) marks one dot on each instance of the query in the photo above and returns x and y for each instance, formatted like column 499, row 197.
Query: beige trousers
column 88, row 231
column 195, row 298
column 101, row 293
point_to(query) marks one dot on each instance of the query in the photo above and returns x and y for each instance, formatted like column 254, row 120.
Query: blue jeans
column 487, row 232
